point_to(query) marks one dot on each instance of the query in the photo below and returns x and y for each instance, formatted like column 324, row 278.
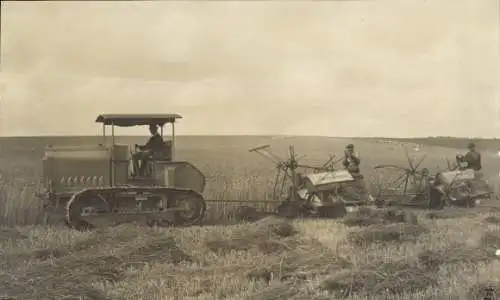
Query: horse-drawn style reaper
column 322, row 191
column 411, row 186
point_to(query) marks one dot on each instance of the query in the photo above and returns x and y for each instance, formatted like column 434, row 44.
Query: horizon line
column 257, row 135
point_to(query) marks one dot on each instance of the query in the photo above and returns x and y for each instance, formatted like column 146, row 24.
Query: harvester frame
column 419, row 188
column 100, row 187
column 315, row 191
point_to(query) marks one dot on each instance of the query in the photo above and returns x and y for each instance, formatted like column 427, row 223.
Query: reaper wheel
column 397, row 185
column 460, row 195
column 291, row 209
column 334, row 211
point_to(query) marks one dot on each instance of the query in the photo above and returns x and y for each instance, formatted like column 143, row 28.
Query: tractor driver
column 473, row 158
column 351, row 160
column 154, row 144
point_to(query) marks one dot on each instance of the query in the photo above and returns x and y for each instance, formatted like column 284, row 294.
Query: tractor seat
column 165, row 153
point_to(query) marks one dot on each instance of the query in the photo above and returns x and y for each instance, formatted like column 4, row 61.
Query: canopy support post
column 113, row 171
column 173, row 141
column 103, row 133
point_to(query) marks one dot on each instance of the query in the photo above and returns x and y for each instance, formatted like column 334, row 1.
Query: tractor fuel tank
column 121, row 163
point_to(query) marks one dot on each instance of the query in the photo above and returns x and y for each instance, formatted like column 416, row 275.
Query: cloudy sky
column 338, row 68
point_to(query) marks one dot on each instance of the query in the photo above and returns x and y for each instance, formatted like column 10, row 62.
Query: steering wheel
column 134, row 149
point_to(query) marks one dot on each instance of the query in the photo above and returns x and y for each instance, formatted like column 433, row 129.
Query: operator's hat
column 349, row 146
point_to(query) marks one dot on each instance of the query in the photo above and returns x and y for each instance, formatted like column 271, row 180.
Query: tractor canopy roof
column 127, row 120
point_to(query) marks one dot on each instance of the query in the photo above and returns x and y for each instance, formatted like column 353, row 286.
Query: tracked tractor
column 92, row 186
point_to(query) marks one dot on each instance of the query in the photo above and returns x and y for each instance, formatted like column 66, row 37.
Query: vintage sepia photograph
column 254, row 150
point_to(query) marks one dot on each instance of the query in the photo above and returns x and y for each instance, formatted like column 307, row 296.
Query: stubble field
column 447, row 255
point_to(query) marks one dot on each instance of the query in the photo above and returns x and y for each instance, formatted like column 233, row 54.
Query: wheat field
column 450, row 255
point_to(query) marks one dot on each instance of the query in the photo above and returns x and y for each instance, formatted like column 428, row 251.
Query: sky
column 333, row 68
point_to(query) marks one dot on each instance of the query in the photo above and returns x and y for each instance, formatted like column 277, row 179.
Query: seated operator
column 154, row 144
column 351, row 160
column 473, row 158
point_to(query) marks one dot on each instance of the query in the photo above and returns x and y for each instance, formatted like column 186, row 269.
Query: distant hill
column 449, row 142
column 41, row 141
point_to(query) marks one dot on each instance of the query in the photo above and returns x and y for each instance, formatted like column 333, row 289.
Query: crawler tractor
column 92, row 185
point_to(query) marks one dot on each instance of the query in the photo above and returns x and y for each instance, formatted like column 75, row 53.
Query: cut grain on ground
column 307, row 261
column 386, row 233
column 368, row 216
column 265, row 235
column 10, row 235
column 491, row 240
column 76, row 273
column 448, row 214
column 394, row 277
column 485, row 291
column 248, row 214
column 454, row 254
column 492, row 220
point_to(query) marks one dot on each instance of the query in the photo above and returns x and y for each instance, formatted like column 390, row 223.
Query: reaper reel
column 287, row 170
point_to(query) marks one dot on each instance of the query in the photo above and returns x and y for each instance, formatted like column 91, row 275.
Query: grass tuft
column 387, row 233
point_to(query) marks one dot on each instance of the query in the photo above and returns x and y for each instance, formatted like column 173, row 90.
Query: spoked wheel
column 460, row 194
column 355, row 191
column 291, row 209
column 391, row 185
column 333, row 211
column 398, row 185
column 191, row 207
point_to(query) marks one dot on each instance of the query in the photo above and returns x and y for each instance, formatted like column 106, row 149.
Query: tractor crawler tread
column 111, row 197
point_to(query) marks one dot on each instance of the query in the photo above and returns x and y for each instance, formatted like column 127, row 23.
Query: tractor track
column 110, row 197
